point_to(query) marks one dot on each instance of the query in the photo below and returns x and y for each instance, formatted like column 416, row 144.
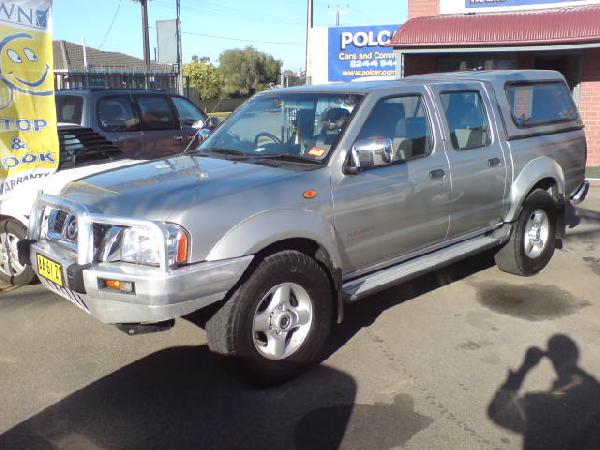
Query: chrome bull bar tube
column 85, row 226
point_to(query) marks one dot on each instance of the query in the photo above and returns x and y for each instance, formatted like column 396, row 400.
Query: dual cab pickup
column 310, row 197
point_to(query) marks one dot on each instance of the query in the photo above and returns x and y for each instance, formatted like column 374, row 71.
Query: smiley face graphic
column 20, row 67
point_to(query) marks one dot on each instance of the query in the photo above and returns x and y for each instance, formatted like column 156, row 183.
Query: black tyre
column 533, row 237
column 11, row 271
column 276, row 322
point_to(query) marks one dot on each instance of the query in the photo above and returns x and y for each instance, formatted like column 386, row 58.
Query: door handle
column 437, row 174
column 179, row 137
column 494, row 162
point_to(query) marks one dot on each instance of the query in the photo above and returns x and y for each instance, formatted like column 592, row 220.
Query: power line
column 111, row 25
column 211, row 9
column 240, row 40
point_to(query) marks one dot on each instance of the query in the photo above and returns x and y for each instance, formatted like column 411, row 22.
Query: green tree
column 247, row 70
column 204, row 77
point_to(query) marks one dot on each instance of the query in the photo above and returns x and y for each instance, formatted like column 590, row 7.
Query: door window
column 117, row 114
column 189, row 114
column 404, row 121
column 157, row 113
column 467, row 120
column 69, row 108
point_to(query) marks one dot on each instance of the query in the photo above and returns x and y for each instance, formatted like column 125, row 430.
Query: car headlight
column 139, row 245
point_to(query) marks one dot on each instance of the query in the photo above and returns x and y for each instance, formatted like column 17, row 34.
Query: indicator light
column 124, row 287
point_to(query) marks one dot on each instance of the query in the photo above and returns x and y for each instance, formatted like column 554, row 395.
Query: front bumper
column 158, row 295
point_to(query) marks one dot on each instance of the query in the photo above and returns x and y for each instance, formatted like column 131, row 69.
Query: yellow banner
column 28, row 135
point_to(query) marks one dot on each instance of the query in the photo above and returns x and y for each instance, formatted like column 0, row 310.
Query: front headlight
column 139, row 245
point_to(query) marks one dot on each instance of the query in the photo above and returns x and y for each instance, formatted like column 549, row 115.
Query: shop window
column 462, row 62
column 541, row 103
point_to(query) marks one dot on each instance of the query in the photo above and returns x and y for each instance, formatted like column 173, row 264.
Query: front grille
column 99, row 233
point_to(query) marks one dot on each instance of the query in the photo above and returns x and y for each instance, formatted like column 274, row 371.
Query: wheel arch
column 21, row 219
column 271, row 232
column 540, row 173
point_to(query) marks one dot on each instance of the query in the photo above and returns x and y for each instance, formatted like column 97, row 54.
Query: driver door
column 385, row 213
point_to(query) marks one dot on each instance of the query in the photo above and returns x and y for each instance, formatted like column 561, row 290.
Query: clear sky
column 281, row 22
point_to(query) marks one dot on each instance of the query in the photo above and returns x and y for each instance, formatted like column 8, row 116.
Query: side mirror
column 371, row 152
column 198, row 124
column 204, row 134
column 212, row 123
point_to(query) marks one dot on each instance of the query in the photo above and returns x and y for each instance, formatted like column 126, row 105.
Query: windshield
column 306, row 125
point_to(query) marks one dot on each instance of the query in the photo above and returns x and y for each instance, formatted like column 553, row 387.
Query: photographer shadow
column 567, row 416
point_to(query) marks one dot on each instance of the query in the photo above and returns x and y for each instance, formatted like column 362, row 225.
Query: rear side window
column 467, row 121
column 69, row 108
column 541, row 103
column 404, row 121
column 117, row 114
column 189, row 115
column 156, row 113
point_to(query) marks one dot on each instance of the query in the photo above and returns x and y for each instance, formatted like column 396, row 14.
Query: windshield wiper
column 289, row 157
column 227, row 152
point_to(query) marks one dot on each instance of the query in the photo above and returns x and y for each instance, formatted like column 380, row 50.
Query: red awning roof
column 578, row 25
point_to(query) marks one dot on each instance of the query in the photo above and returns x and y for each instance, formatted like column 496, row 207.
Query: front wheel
column 278, row 319
column 11, row 270
column 533, row 237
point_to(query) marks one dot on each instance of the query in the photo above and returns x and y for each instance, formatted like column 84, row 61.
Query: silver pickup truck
column 307, row 198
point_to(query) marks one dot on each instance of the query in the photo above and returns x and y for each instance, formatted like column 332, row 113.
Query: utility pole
column 146, row 37
column 338, row 13
column 179, row 55
column 309, row 26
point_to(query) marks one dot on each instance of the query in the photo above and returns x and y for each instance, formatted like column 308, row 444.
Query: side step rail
column 368, row 284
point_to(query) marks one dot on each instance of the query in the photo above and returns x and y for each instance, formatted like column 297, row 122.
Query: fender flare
column 533, row 172
column 268, row 227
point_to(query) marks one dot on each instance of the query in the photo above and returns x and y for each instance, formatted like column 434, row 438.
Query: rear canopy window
column 69, row 108
column 541, row 103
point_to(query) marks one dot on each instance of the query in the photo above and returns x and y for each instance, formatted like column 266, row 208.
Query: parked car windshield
column 306, row 125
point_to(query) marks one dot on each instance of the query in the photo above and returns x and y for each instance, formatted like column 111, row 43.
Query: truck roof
column 492, row 76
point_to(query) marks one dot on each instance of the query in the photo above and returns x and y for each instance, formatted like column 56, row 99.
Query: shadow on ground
column 182, row 398
column 566, row 416
column 364, row 312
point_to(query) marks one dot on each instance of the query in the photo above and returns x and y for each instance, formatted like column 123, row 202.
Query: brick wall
column 589, row 103
column 418, row 8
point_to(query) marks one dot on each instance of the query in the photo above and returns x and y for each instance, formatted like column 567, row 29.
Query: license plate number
column 50, row 269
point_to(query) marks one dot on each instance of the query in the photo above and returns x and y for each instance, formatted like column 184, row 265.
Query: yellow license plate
column 50, row 269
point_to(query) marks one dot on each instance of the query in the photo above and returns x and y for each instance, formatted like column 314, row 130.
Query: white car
column 82, row 152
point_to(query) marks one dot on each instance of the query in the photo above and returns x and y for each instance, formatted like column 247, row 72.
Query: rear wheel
column 533, row 237
column 277, row 321
column 11, row 270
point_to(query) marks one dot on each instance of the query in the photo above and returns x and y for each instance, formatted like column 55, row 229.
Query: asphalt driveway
column 441, row 362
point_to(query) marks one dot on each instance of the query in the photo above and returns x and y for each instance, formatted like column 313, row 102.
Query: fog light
column 126, row 287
